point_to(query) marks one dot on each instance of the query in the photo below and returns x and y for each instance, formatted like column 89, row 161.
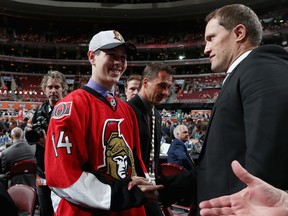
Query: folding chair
column 24, row 198
column 22, row 172
column 167, row 169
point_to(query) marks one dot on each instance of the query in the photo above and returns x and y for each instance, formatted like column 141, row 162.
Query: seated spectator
column 173, row 126
column 197, row 143
column 19, row 150
column 190, row 125
column 12, row 124
column 196, row 132
column 166, row 131
column 24, row 123
column 177, row 152
column 203, row 131
column 3, row 127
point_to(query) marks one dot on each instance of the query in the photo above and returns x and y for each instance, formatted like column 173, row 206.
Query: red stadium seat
column 24, row 198
column 167, row 169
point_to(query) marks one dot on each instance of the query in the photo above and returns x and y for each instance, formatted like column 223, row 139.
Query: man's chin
column 116, row 74
column 53, row 99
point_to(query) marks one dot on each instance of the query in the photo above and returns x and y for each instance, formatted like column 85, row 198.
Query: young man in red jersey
column 90, row 147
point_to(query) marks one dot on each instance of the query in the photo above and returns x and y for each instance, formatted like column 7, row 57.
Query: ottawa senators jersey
column 89, row 156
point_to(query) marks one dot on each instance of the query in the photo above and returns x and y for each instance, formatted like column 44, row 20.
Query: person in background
column 254, row 88
column 54, row 86
column 24, row 123
column 12, row 124
column 190, row 125
column 93, row 141
column 196, row 132
column 19, row 150
column 177, row 153
column 132, row 86
column 203, row 131
column 6, row 122
column 258, row 198
column 155, row 87
column 173, row 126
column 166, row 131
column 3, row 128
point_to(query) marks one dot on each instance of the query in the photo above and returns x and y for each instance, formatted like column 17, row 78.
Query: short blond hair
column 17, row 133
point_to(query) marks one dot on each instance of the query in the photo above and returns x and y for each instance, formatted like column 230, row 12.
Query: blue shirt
column 96, row 87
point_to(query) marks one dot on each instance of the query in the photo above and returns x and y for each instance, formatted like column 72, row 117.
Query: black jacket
column 145, row 137
column 42, row 110
column 254, row 95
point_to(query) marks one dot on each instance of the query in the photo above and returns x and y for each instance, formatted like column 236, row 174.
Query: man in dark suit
column 254, row 94
column 155, row 88
column 178, row 153
column 19, row 150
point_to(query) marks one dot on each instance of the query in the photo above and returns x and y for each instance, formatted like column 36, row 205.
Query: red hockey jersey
column 89, row 156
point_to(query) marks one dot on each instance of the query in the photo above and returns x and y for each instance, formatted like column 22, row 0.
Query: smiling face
column 220, row 46
column 108, row 66
column 158, row 89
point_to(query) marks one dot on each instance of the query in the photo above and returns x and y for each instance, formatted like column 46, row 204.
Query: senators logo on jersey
column 61, row 110
column 118, row 156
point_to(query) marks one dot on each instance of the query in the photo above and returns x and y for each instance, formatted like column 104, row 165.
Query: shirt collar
column 96, row 87
column 147, row 106
column 235, row 63
column 238, row 60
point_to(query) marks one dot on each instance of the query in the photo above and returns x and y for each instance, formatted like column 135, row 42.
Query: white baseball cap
column 109, row 40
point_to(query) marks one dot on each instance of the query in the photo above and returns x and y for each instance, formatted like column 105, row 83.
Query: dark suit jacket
column 178, row 154
column 253, row 97
column 139, row 108
column 20, row 150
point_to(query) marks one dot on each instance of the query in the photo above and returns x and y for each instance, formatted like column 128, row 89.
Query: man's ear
column 91, row 56
column 240, row 32
column 144, row 82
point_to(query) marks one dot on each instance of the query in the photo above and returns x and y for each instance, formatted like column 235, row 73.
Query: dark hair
column 169, row 122
column 203, row 126
column 133, row 77
column 232, row 15
column 151, row 70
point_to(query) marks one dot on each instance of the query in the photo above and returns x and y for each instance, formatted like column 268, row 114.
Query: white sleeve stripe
column 88, row 191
